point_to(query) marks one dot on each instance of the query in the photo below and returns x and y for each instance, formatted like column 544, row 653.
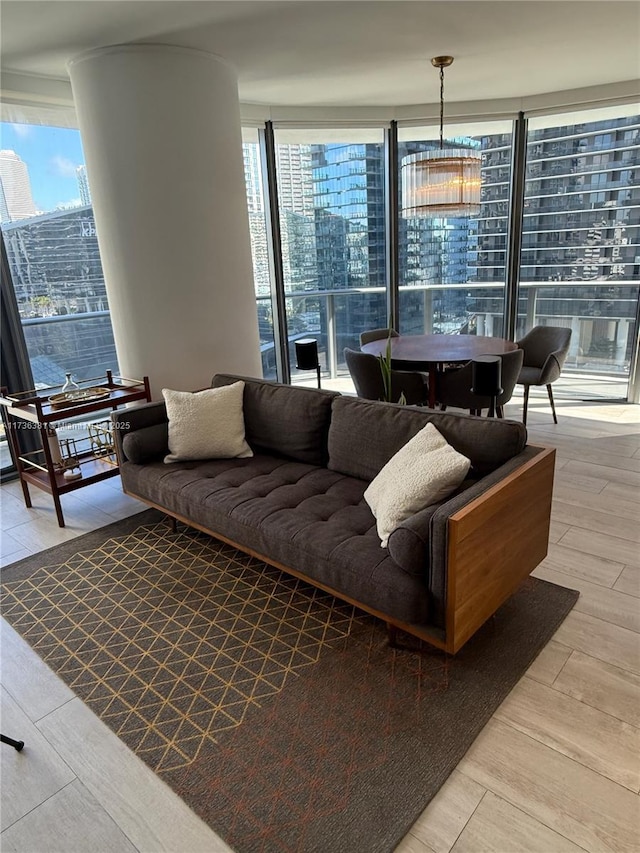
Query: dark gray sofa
column 298, row 503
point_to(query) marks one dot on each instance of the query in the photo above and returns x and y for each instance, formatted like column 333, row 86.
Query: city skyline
column 579, row 263
column 52, row 156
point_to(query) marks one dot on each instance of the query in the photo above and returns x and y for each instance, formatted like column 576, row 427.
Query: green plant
column 385, row 369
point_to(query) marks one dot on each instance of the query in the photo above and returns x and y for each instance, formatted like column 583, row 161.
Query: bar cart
column 64, row 465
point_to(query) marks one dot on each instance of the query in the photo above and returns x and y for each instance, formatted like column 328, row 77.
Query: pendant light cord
column 441, row 107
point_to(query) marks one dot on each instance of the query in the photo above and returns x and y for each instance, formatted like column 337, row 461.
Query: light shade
column 441, row 182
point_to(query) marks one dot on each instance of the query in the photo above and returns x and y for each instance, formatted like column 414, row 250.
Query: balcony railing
column 81, row 344
column 602, row 323
column 601, row 315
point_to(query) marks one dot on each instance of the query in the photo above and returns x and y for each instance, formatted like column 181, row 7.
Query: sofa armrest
column 494, row 542
column 408, row 544
column 149, row 424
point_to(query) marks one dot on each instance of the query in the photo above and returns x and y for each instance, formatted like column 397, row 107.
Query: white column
column 160, row 127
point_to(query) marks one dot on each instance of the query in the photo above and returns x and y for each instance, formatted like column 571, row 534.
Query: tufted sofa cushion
column 308, row 518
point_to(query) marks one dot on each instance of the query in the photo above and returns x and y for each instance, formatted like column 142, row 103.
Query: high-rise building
column 295, row 187
column 295, row 196
column 4, row 210
column 83, row 185
column 253, row 177
column 56, row 273
column 580, row 258
column 16, row 187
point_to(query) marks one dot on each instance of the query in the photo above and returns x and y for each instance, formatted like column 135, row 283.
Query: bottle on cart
column 54, row 448
column 69, row 386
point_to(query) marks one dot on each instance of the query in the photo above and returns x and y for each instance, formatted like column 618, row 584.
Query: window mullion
column 274, row 247
column 392, row 202
column 515, row 225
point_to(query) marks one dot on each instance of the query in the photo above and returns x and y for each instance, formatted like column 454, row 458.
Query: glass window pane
column 452, row 269
column 332, row 216
column 581, row 242
column 52, row 248
column 259, row 249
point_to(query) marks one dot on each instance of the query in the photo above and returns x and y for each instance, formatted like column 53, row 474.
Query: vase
column 69, row 385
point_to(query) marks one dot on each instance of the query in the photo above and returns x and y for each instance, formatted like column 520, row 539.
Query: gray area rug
column 279, row 714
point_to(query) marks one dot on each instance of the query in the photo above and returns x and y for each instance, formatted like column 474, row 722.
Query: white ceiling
column 364, row 52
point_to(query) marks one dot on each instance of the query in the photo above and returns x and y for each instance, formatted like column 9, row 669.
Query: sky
column 52, row 155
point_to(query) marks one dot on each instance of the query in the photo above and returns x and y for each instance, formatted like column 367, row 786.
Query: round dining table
column 429, row 352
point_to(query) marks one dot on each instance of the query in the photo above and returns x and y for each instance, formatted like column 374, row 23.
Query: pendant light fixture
column 443, row 181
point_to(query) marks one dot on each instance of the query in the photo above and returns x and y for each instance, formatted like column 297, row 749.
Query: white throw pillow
column 206, row 424
column 423, row 472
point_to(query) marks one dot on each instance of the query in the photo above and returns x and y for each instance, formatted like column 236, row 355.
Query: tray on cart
column 81, row 395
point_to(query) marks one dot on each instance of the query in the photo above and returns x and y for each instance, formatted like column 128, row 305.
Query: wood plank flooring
column 557, row 769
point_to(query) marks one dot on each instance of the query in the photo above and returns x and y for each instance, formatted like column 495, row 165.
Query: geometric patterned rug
column 277, row 712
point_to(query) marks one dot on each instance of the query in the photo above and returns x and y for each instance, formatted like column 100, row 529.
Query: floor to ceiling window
column 52, row 252
column 581, row 242
column 452, row 270
column 52, row 249
column 259, row 248
column 332, row 219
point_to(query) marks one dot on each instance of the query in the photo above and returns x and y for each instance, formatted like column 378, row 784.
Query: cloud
column 21, row 130
column 63, row 166
column 66, row 205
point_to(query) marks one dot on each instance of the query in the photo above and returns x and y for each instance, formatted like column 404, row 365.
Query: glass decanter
column 70, row 387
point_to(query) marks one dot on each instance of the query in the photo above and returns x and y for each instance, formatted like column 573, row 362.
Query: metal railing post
column 332, row 359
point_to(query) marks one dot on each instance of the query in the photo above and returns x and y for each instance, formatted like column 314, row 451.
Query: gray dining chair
column 453, row 387
column 376, row 335
column 545, row 351
column 367, row 377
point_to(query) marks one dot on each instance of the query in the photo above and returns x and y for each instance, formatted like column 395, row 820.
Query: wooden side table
column 36, row 411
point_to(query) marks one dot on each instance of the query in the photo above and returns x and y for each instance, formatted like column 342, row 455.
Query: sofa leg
column 392, row 634
column 172, row 524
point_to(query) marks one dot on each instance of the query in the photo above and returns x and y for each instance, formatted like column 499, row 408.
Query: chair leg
column 443, row 407
column 16, row 744
column 553, row 407
column 500, row 411
column 526, row 403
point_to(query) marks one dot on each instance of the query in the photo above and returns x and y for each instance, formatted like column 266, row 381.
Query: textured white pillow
column 206, row 424
column 421, row 473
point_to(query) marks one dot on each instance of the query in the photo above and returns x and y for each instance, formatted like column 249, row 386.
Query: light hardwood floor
column 556, row 769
